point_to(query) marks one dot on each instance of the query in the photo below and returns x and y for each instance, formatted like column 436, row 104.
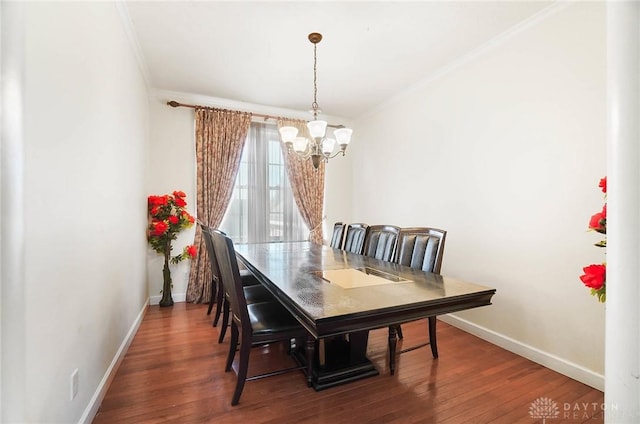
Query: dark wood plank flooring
column 173, row 373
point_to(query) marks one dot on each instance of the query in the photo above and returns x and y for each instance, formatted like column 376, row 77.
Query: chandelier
column 320, row 147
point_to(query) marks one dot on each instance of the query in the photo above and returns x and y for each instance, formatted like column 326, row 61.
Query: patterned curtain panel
column 220, row 136
column 307, row 184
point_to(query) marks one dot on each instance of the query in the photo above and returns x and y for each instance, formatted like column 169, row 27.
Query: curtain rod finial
column 173, row 103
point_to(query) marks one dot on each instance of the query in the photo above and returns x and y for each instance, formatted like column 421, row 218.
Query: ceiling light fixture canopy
column 320, row 147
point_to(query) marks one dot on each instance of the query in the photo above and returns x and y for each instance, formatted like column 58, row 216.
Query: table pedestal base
column 341, row 360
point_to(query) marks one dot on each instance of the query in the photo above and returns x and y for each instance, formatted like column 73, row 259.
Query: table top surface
column 326, row 286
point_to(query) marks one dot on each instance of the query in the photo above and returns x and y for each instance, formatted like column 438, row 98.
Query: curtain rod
column 173, row 103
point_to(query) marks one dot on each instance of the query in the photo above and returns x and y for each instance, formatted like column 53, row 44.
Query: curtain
column 307, row 184
column 262, row 206
column 220, row 136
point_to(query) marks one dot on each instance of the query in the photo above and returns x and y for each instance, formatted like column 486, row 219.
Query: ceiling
column 258, row 52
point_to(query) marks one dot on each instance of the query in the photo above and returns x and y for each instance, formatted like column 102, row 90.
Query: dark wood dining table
column 339, row 296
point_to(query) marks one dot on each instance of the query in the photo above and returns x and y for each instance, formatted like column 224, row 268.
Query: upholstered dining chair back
column 206, row 234
column 338, row 235
column 421, row 248
column 381, row 241
column 253, row 290
column 354, row 238
column 215, row 271
column 230, row 276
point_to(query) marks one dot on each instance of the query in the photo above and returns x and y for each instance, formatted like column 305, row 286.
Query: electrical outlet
column 74, row 384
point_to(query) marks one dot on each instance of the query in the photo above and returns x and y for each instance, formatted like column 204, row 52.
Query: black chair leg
column 225, row 321
column 393, row 340
column 432, row 337
column 399, row 331
column 233, row 346
column 243, row 367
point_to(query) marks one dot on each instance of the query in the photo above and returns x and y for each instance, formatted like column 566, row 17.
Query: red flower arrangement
column 168, row 218
column 595, row 275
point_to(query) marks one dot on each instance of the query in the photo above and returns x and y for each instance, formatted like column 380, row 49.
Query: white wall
column 171, row 167
column 505, row 151
column 85, row 152
column 337, row 188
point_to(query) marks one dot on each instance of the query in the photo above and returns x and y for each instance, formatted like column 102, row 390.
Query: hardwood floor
column 173, row 372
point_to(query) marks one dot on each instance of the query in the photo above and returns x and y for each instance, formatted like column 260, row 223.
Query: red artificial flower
column 159, row 228
column 594, row 276
column 191, row 250
column 158, row 200
column 188, row 217
column 167, row 219
column 594, row 222
column 598, row 221
column 603, row 184
column 180, row 202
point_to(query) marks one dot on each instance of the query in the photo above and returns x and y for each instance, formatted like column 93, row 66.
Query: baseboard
column 177, row 297
column 546, row 359
column 95, row 402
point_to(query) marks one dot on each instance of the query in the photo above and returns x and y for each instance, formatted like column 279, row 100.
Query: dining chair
column 419, row 248
column 255, row 290
column 253, row 294
column 354, row 238
column 215, row 283
column 380, row 242
column 252, row 325
column 338, row 235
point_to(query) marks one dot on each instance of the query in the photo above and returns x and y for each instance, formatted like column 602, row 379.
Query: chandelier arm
column 335, row 154
column 304, row 155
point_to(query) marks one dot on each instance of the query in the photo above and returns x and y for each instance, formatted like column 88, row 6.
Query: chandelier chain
column 314, row 105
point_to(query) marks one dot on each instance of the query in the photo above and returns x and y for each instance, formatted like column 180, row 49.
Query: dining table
column 340, row 296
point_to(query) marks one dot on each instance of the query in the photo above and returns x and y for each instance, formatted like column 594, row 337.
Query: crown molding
column 132, row 37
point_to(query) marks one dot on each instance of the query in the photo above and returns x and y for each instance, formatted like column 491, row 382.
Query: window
column 262, row 208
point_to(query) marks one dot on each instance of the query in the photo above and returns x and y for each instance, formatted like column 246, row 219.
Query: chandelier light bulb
column 300, row 144
column 343, row 135
column 327, row 146
column 288, row 134
column 317, row 128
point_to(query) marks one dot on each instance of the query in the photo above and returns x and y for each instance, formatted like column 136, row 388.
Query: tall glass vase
column 166, row 300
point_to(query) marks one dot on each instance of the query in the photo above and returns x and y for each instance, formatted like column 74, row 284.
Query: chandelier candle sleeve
column 317, row 128
column 320, row 147
column 300, row 144
column 327, row 146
